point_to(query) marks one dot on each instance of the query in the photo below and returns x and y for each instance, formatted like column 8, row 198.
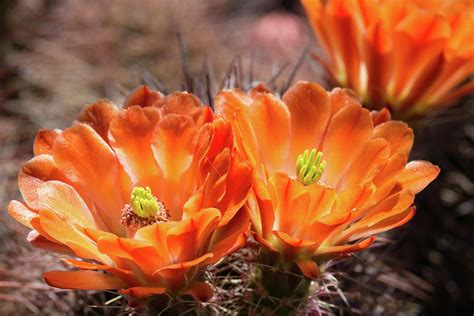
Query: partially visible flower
column 411, row 56
column 147, row 192
column 329, row 175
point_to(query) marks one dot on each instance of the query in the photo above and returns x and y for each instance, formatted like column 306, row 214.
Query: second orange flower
column 329, row 175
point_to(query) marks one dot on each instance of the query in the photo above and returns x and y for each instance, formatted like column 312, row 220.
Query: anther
column 310, row 166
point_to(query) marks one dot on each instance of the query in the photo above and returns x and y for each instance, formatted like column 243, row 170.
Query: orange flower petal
column 35, row 222
column 379, row 37
column 142, row 291
column 309, row 268
column 156, row 236
column 340, row 99
column 182, row 103
column 322, row 201
column 346, row 248
column 417, row 175
column 206, row 221
column 173, row 149
column 175, row 275
column 44, row 141
column 65, row 233
column 215, row 185
column 130, row 136
column 271, row 123
column 382, row 223
column 20, row 212
column 354, row 198
column 125, row 275
column 292, row 247
column 185, row 265
column 351, row 125
column 234, row 107
column 285, row 191
column 363, row 168
column 292, row 241
column 63, row 200
column 264, row 242
column 395, row 203
column 296, row 208
column 143, row 97
column 221, row 137
column 317, row 232
column 229, row 238
column 38, row 241
column 91, row 166
column 379, row 117
column 394, row 166
column 145, row 256
column 98, row 115
column 186, row 236
column 84, row 265
column 392, row 206
column 235, row 195
column 228, row 246
column 338, row 215
column 424, row 27
column 397, row 134
column 83, row 280
column 32, row 174
column 260, row 207
column 200, row 291
column 309, row 107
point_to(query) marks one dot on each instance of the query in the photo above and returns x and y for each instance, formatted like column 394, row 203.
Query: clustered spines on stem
column 250, row 282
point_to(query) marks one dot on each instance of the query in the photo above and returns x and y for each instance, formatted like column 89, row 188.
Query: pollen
column 310, row 166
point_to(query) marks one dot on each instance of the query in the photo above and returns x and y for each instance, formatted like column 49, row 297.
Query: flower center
column 310, row 166
column 143, row 203
column 144, row 209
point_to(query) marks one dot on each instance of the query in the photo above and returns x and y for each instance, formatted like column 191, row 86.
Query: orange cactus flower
column 411, row 56
column 329, row 174
column 146, row 192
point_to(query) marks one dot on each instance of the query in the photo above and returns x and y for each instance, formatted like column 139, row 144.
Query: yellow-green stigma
column 143, row 203
column 310, row 166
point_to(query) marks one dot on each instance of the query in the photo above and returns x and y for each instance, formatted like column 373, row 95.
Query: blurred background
column 58, row 55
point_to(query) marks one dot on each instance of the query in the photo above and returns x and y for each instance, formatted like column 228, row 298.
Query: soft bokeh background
column 56, row 56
